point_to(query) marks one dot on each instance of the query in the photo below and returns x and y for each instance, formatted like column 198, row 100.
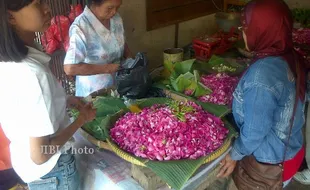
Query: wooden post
column 176, row 35
column 225, row 5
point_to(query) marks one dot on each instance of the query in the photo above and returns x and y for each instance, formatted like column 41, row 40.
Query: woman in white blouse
column 97, row 45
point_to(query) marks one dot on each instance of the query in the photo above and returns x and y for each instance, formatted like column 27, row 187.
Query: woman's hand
column 87, row 113
column 227, row 166
column 75, row 102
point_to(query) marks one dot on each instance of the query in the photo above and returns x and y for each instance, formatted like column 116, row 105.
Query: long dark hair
column 12, row 48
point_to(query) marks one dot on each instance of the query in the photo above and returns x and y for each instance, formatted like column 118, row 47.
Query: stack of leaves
column 104, row 106
column 179, row 130
column 181, row 79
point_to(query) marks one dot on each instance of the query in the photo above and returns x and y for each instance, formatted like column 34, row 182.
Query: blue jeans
column 64, row 176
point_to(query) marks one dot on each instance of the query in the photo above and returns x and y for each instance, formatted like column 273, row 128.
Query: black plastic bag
column 133, row 79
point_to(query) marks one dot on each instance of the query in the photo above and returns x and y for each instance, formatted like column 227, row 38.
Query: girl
column 33, row 104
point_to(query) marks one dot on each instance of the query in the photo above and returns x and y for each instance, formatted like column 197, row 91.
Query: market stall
column 165, row 158
column 165, row 130
column 208, row 83
column 153, row 156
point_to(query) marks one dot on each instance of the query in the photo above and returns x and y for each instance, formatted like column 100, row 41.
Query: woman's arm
column 43, row 148
column 127, row 52
column 90, row 69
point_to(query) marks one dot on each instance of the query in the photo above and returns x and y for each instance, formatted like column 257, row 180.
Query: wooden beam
column 176, row 35
column 169, row 12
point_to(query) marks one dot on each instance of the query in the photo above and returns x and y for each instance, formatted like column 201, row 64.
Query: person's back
column 264, row 100
column 271, row 88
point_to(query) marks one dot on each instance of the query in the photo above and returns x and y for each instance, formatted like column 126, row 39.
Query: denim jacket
column 262, row 107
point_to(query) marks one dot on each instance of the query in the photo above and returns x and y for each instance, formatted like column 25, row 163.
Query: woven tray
column 211, row 157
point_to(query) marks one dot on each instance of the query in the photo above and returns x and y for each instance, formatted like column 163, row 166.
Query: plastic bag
column 62, row 32
column 57, row 35
column 133, row 79
column 48, row 40
column 75, row 11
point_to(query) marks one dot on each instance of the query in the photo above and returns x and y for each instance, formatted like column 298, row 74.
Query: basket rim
column 133, row 159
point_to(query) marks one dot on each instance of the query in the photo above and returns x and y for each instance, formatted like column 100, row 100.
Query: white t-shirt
column 32, row 104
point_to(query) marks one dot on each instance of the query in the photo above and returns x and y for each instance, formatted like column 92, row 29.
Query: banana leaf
column 217, row 110
column 108, row 105
column 174, row 173
column 192, row 87
column 94, row 129
column 208, row 68
column 216, row 60
column 197, row 75
column 184, row 66
column 105, row 106
column 189, row 81
column 181, row 83
column 202, row 90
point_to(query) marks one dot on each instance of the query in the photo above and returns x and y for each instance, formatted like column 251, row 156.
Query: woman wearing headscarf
column 264, row 98
column 97, row 45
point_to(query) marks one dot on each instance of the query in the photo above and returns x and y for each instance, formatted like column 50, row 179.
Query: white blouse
column 33, row 104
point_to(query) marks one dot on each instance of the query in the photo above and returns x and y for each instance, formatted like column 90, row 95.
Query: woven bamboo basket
column 207, row 159
column 110, row 145
column 213, row 156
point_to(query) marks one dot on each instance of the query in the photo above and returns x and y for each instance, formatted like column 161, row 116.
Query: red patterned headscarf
column 268, row 25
